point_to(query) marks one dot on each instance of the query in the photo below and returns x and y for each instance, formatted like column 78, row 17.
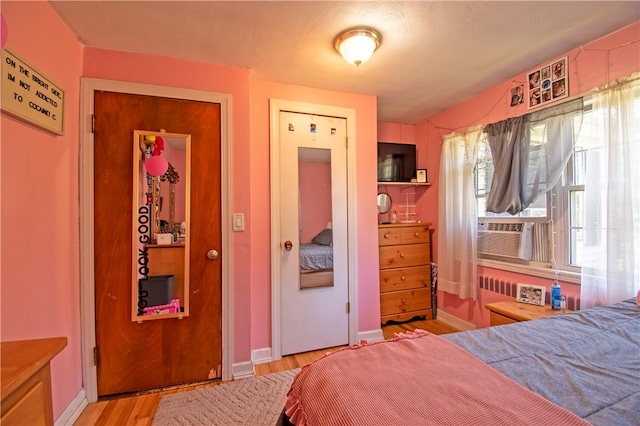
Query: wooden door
column 151, row 354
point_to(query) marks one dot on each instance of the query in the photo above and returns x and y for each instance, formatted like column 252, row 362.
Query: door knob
column 288, row 245
column 212, row 254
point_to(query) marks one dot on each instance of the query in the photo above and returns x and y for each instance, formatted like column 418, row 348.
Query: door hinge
column 348, row 307
column 346, row 142
column 95, row 355
column 93, row 123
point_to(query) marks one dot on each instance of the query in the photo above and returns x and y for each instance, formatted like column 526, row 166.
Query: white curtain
column 611, row 265
column 457, row 216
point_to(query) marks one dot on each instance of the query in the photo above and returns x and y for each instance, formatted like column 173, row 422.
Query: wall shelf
column 404, row 184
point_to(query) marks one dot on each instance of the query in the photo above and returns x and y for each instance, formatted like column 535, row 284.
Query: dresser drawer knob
column 401, row 255
column 386, row 235
column 416, row 235
column 403, row 278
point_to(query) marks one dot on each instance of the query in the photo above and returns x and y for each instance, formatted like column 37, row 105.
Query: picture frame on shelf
column 421, row 175
column 530, row 294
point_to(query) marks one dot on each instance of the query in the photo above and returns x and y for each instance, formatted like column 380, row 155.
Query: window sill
column 536, row 271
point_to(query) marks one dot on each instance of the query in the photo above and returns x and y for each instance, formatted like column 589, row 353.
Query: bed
column 575, row 369
column 316, row 261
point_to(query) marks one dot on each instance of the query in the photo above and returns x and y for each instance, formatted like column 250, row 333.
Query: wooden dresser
column 405, row 271
column 510, row 311
column 26, row 380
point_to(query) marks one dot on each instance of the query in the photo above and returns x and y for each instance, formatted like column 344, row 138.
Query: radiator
column 508, row 288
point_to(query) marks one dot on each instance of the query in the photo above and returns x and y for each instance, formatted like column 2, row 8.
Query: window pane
column 576, row 224
column 577, row 247
column 579, row 165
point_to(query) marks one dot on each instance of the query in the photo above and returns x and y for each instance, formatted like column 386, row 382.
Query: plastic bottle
column 555, row 296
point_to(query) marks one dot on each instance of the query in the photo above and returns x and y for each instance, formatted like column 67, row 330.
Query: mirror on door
column 316, row 233
column 160, row 243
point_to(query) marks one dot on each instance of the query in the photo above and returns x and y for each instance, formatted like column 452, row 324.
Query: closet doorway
column 312, row 259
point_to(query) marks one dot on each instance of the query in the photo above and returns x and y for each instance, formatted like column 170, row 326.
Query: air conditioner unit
column 505, row 239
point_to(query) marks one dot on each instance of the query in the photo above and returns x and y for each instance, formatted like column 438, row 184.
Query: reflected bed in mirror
column 316, row 245
column 160, row 217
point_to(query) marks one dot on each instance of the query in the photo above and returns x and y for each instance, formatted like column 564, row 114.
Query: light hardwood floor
column 139, row 410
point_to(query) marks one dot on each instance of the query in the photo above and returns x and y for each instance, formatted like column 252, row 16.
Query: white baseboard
column 243, row 370
column 455, row 322
column 261, row 356
column 73, row 411
column 371, row 336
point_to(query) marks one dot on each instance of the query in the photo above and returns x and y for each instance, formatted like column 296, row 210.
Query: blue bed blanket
column 587, row 361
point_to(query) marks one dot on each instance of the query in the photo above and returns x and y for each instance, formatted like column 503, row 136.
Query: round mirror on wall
column 384, row 202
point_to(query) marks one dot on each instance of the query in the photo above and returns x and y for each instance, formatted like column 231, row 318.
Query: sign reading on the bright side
column 29, row 95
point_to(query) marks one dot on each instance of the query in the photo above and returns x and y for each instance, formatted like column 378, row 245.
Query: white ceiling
column 433, row 55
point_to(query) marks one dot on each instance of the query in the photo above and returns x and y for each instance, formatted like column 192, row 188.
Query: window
column 558, row 215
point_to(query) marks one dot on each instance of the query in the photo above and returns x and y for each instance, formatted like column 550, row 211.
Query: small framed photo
column 531, row 294
column 421, row 176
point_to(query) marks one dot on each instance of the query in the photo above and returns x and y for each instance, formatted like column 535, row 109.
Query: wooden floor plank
column 139, row 410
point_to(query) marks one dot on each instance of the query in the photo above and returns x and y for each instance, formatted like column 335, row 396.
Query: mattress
column 586, row 361
column 315, row 257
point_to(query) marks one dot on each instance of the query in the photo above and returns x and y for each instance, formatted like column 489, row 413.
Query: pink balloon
column 157, row 165
column 3, row 31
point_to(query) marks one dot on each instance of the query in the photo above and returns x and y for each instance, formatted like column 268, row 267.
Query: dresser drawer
column 499, row 319
column 404, row 301
column 415, row 235
column 403, row 235
column 404, row 255
column 405, row 278
column 389, row 236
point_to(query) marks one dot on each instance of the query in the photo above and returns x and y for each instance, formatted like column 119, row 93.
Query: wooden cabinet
column 26, row 380
column 169, row 259
column 405, row 271
column 510, row 311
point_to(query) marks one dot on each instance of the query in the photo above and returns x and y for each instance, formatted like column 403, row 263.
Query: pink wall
column 366, row 240
column 40, row 236
column 315, row 199
column 593, row 64
column 31, row 158
column 251, row 270
column 39, row 206
column 121, row 66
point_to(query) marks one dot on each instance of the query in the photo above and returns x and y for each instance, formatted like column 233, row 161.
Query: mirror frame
column 142, row 227
column 382, row 200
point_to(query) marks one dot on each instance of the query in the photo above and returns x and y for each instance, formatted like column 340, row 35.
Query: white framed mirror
column 160, row 217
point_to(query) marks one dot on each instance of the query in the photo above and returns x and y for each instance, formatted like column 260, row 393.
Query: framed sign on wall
column 29, row 95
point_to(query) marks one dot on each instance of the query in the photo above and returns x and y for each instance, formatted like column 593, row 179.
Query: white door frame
column 275, row 107
column 87, row 253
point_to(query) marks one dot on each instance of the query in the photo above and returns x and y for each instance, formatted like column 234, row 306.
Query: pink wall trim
column 40, row 216
column 593, row 64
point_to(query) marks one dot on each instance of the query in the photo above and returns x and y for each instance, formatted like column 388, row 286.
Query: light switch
column 238, row 222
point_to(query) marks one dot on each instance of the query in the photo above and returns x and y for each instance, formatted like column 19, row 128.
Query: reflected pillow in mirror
column 324, row 238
